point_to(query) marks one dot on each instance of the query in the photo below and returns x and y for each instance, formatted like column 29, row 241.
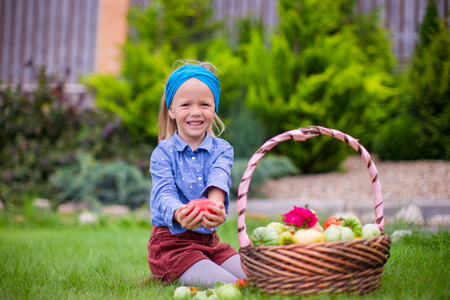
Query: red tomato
column 202, row 204
column 240, row 282
column 317, row 227
column 331, row 221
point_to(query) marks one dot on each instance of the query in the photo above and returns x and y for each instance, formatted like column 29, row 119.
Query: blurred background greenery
column 324, row 64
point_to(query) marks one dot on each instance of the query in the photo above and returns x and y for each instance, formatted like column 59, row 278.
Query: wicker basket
column 353, row 267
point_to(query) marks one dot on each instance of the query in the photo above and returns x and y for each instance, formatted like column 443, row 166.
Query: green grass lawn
column 42, row 257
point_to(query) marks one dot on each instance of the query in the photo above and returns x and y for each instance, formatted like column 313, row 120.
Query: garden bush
column 33, row 126
column 246, row 133
column 399, row 139
column 42, row 130
column 429, row 84
column 101, row 183
column 425, row 113
column 325, row 66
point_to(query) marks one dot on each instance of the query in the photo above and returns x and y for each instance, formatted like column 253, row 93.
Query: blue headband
column 179, row 76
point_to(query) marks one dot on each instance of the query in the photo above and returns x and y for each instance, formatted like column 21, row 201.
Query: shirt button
column 199, row 178
column 193, row 157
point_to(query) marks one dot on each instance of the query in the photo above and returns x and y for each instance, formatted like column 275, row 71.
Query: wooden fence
column 403, row 19
column 62, row 34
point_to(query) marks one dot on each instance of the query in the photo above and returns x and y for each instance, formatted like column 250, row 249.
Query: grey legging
column 207, row 273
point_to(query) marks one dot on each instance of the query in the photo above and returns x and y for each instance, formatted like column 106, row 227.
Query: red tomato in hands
column 331, row 221
column 202, row 204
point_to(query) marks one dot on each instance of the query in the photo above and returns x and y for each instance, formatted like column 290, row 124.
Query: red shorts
column 170, row 255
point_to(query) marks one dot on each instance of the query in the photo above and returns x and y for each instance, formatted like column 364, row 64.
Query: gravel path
column 406, row 180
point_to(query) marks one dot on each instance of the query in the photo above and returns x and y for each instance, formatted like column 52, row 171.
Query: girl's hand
column 210, row 220
column 188, row 218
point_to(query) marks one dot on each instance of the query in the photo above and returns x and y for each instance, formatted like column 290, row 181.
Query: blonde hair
column 167, row 126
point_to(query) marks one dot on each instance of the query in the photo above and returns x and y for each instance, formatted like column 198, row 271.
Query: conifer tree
column 429, row 85
column 326, row 65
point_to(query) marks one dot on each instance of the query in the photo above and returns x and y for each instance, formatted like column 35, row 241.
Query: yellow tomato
column 308, row 236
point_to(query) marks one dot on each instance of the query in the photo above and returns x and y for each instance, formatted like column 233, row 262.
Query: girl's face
column 193, row 109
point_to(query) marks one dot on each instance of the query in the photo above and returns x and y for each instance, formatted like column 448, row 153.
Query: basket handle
column 302, row 134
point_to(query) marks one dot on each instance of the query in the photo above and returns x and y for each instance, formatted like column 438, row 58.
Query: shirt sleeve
column 165, row 195
column 220, row 175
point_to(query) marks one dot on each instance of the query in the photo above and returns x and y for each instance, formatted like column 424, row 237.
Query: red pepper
column 332, row 221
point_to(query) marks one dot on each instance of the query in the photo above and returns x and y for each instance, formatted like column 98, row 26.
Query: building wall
column 112, row 32
column 60, row 34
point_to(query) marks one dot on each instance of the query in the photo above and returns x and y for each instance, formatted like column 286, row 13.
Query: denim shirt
column 180, row 175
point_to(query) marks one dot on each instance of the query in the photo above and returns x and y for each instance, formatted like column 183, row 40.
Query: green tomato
column 370, row 230
column 280, row 228
column 287, row 238
column 332, row 233
column 264, row 236
column 256, row 236
column 335, row 233
column 228, row 291
column 347, row 234
column 354, row 224
column 200, row 295
column 182, row 293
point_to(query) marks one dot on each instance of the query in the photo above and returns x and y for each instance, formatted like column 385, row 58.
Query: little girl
column 191, row 163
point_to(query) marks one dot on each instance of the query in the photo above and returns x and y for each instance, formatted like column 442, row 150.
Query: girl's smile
column 194, row 123
column 193, row 109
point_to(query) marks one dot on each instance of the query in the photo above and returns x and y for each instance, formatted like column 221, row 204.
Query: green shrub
column 399, row 139
column 326, row 66
column 42, row 130
column 421, row 128
column 103, row 135
column 245, row 132
column 429, row 27
column 100, row 183
column 429, row 83
column 33, row 127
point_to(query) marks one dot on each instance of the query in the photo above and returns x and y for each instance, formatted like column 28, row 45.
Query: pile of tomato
column 333, row 230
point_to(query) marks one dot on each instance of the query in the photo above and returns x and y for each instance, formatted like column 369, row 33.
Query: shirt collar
column 181, row 145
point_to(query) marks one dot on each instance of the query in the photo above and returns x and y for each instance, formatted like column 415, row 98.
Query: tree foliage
column 425, row 113
column 326, row 66
column 429, row 85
